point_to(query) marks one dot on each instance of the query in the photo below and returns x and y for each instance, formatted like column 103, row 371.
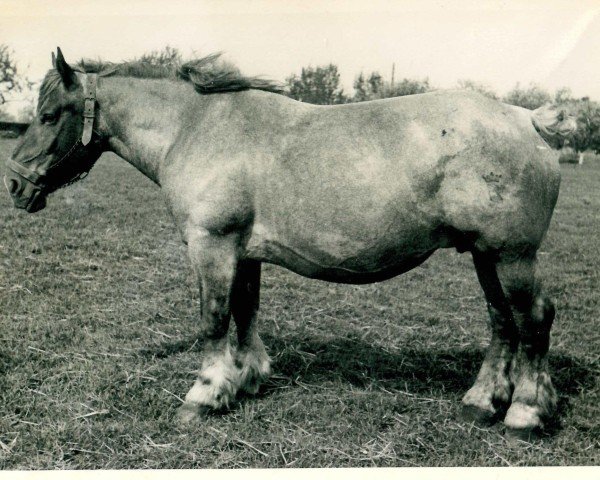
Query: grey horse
column 351, row 193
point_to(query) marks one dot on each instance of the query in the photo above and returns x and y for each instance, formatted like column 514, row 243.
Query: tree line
column 321, row 85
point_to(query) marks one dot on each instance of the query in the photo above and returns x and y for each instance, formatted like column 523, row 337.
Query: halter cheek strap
column 89, row 94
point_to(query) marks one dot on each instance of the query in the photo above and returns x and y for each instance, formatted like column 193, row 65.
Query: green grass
column 98, row 341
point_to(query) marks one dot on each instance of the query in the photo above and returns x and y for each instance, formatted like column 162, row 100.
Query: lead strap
column 89, row 93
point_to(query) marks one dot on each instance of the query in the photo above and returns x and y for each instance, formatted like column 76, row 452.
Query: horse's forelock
column 50, row 83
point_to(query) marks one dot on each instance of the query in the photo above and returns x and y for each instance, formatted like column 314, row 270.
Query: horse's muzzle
column 24, row 193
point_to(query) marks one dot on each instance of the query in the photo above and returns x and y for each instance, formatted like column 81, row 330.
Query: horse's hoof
column 479, row 416
column 521, row 416
column 523, row 422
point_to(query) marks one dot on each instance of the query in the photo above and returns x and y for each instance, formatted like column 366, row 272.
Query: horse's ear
column 66, row 72
column 53, row 60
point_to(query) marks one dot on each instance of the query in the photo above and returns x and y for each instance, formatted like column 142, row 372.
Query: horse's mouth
column 32, row 203
column 37, row 203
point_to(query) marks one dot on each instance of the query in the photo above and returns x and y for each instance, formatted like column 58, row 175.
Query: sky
column 552, row 43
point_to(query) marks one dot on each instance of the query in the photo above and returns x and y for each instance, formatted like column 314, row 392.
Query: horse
column 353, row 193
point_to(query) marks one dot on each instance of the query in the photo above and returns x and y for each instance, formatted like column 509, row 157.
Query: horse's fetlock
column 256, row 367
column 214, row 330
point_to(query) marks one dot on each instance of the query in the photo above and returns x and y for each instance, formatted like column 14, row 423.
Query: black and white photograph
column 286, row 235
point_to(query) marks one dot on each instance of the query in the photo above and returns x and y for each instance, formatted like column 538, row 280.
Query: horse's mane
column 209, row 74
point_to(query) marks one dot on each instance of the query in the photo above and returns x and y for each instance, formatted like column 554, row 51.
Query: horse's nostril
column 13, row 186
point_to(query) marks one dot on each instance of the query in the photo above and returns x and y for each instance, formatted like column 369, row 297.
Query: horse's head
column 60, row 145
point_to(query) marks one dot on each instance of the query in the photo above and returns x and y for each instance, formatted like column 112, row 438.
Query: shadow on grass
column 570, row 376
column 417, row 370
column 433, row 372
column 314, row 360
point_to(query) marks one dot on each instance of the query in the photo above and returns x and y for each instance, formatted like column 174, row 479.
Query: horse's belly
column 363, row 266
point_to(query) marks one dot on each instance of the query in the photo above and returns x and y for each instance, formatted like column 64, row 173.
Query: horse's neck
column 142, row 118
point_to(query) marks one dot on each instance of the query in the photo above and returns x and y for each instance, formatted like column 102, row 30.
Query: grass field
column 98, row 342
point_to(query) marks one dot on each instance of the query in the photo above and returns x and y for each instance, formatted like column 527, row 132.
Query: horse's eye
column 49, row 118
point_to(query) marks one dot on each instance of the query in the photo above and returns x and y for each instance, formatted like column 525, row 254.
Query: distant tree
column 477, row 87
column 408, row 86
column 374, row 87
column 319, row 85
column 563, row 95
column 11, row 81
column 361, row 89
column 587, row 135
column 9, row 76
column 531, row 97
column 369, row 88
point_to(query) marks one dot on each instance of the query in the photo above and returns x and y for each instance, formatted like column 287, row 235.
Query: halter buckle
column 89, row 93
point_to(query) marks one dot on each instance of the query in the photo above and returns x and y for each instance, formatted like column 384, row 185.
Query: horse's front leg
column 214, row 259
column 251, row 357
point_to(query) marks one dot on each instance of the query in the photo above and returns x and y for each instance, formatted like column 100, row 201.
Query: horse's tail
column 553, row 124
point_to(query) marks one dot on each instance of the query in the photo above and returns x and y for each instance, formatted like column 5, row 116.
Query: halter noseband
column 37, row 179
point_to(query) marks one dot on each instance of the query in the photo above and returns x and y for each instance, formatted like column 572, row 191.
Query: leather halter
column 89, row 94
column 37, row 179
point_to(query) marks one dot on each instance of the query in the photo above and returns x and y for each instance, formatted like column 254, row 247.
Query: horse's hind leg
column 515, row 366
column 488, row 398
column 534, row 397
column 251, row 357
